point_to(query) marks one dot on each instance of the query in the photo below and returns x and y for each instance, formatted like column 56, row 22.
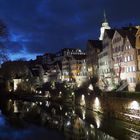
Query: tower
column 105, row 25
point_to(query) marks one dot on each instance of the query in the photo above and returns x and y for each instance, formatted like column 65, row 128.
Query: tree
column 3, row 37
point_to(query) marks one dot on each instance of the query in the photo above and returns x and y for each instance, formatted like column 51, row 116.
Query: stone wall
column 120, row 108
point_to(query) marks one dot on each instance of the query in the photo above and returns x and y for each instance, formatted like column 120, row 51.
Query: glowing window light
column 15, row 107
column 33, row 104
column 83, row 97
column 96, row 104
column 47, row 103
column 82, row 102
column 88, row 93
column 91, row 125
column 68, row 123
column 60, row 93
column 60, row 107
column 134, row 105
column 73, row 112
column 87, row 133
column 98, row 122
column 83, row 114
column 90, row 87
column 72, row 93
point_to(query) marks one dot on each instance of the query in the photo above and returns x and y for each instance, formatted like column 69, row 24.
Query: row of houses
column 69, row 64
column 114, row 58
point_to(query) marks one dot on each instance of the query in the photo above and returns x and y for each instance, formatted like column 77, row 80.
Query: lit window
column 125, row 59
column 132, row 57
column 128, row 80
column 128, row 69
column 134, row 80
column 134, row 68
column 128, row 58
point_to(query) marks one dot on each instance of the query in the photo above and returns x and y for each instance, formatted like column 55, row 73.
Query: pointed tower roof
column 105, row 19
column 105, row 25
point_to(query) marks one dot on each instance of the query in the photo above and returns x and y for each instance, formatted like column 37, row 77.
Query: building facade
column 93, row 48
column 105, row 70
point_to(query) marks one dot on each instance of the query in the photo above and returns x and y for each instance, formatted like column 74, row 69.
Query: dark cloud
column 39, row 26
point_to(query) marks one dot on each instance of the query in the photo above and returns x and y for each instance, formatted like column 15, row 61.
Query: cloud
column 48, row 25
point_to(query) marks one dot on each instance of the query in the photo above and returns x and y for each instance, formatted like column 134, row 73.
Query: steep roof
column 79, row 57
column 110, row 32
column 129, row 32
column 95, row 43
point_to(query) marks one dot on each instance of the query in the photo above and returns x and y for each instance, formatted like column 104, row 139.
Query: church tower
column 105, row 25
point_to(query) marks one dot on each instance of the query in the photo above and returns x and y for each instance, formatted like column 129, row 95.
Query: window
column 128, row 58
column 129, row 47
column 131, row 80
column 134, row 68
column 134, row 80
column 125, row 47
column 125, row 59
column 131, row 69
column 128, row 69
column 132, row 57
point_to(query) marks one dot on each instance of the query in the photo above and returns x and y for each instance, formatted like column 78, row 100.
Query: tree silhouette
column 3, row 36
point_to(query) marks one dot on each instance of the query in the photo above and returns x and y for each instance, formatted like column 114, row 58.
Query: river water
column 26, row 120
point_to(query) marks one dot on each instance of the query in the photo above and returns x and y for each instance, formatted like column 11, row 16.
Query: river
column 20, row 120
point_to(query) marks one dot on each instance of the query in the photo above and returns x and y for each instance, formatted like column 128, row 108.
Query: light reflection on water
column 134, row 105
column 74, row 123
column 97, row 105
column 2, row 120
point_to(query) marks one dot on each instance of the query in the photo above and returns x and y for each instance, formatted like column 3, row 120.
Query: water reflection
column 73, row 122
column 97, row 104
column 134, row 105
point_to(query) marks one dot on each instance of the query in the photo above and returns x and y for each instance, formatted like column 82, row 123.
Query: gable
column 116, row 37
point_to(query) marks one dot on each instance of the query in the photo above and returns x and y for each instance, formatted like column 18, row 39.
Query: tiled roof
column 129, row 32
column 79, row 57
column 95, row 43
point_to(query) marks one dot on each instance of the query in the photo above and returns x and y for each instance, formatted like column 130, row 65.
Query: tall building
column 105, row 25
column 124, row 56
column 78, row 69
column 105, row 61
column 93, row 48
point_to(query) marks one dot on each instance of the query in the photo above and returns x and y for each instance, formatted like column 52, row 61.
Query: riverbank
column 122, row 106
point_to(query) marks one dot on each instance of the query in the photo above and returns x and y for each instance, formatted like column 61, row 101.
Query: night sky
column 39, row 26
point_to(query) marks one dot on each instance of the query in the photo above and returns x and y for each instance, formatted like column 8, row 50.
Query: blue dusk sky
column 39, row 26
